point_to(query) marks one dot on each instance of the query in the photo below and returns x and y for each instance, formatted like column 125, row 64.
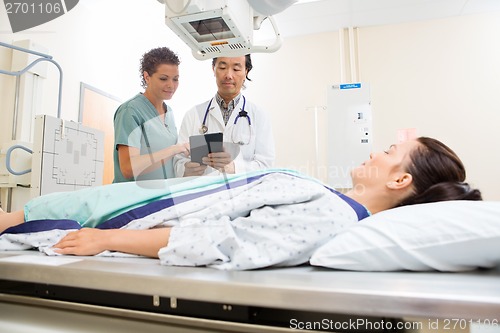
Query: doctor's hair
column 248, row 65
column 155, row 57
column 438, row 174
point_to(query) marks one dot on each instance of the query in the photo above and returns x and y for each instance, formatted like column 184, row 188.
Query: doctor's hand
column 221, row 161
column 84, row 242
column 194, row 169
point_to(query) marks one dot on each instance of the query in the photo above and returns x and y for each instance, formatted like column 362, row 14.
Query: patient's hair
column 438, row 174
column 155, row 57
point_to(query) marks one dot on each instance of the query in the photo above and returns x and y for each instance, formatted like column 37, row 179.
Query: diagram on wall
column 66, row 156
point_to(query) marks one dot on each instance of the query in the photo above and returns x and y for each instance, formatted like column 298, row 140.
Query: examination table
column 39, row 293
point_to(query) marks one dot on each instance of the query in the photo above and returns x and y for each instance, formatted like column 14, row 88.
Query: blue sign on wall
column 350, row 86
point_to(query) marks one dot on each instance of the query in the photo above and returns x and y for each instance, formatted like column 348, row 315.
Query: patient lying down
column 269, row 218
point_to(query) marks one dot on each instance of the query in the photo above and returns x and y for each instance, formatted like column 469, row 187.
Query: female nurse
column 145, row 131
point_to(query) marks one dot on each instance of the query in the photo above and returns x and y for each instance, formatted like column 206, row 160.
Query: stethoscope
column 241, row 114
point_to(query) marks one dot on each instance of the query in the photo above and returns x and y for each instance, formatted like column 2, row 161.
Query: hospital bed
column 39, row 293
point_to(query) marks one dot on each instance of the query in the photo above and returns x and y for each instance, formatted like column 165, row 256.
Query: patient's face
column 385, row 166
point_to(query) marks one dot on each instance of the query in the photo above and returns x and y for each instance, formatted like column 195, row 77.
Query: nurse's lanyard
column 242, row 113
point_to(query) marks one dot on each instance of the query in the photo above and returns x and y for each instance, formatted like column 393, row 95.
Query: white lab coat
column 258, row 154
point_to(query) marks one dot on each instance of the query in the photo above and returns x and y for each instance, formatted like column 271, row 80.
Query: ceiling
column 330, row 15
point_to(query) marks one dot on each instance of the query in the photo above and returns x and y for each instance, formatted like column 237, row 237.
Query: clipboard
column 202, row 145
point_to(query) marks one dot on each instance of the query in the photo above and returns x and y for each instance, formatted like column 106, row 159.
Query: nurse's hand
column 221, row 161
column 84, row 242
column 183, row 148
column 194, row 169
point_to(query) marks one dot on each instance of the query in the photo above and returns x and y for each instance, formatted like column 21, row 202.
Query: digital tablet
column 202, row 145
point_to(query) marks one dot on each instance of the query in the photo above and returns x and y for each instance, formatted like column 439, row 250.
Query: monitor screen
column 211, row 29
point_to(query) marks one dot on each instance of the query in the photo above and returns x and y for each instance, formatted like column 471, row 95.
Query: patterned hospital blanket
column 261, row 219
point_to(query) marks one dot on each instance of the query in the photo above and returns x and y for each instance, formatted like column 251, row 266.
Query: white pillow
column 443, row 236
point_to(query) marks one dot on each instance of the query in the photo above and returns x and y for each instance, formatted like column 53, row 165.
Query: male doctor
column 248, row 138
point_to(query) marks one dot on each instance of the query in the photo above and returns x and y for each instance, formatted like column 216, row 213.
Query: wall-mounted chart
column 66, row 156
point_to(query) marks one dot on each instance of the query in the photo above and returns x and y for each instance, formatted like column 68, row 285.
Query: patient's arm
column 8, row 220
column 88, row 241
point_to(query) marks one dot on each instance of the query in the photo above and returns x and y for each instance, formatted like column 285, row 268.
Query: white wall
column 441, row 77
column 289, row 84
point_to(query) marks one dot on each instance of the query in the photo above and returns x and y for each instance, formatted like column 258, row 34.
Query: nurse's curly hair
column 438, row 174
column 155, row 57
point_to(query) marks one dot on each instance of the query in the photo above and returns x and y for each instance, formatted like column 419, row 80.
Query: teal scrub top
column 137, row 124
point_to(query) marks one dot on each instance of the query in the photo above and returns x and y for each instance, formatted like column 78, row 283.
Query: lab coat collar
column 216, row 112
column 223, row 104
